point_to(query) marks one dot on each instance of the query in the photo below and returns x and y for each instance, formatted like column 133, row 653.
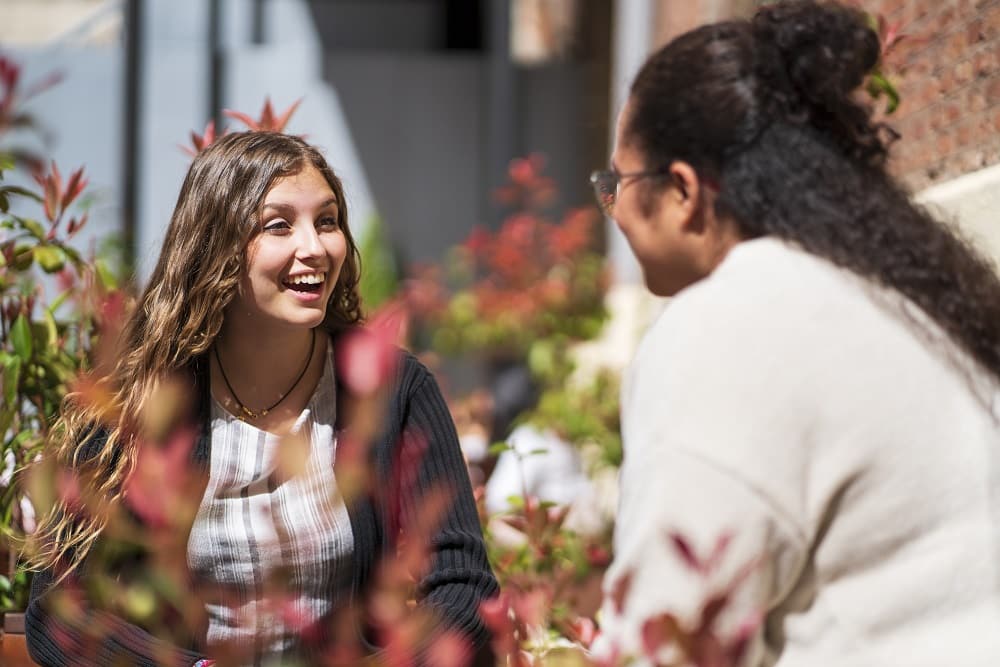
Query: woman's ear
column 687, row 190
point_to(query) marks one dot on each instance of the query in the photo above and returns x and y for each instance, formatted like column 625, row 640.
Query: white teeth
column 307, row 279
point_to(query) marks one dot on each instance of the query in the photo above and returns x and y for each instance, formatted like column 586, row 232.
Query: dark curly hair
column 765, row 110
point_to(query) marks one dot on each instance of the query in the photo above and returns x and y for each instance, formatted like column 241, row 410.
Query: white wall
column 973, row 202
column 84, row 113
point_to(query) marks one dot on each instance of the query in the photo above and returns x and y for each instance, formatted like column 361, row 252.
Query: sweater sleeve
column 63, row 628
column 719, row 429
column 81, row 635
column 429, row 461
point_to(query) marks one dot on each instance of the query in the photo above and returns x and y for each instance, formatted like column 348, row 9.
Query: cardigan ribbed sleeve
column 430, row 461
column 85, row 636
column 91, row 637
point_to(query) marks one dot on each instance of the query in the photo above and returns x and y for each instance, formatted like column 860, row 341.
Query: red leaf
column 10, row 73
column 449, row 649
column 495, row 613
column 156, row 490
column 521, row 171
column 202, row 141
column 711, row 609
column 892, row 37
column 367, row 357
column 268, row 122
column 529, row 607
column 685, row 551
column 76, row 225
column 620, row 591
column 56, row 177
column 242, row 117
column 597, row 555
column 46, row 83
column 584, row 631
column 744, row 633
column 657, row 632
column 267, row 115
column 51, row 201
column 68, row 489
column 718, row 551
column 74, row 187
column 281, row 121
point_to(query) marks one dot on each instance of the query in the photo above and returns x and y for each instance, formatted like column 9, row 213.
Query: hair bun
column 820, row 51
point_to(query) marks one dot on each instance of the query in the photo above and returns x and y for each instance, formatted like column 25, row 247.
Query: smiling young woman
column 246, row 312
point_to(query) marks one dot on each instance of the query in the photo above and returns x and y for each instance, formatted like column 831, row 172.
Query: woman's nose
column 309, row 244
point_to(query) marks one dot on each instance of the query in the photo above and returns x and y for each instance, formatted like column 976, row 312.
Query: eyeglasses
column 608, row 183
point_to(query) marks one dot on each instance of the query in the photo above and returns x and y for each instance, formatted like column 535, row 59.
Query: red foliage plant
column 268, row 121
column 531, row 279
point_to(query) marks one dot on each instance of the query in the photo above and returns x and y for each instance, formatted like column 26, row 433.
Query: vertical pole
column 131, row 128
column 257, row 22
column 502, row 102
column 631, row 43
column 216, row 65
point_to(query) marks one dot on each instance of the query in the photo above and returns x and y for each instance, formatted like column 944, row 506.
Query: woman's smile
column 295, row 259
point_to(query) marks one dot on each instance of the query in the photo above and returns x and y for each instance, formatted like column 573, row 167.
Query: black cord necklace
column 245, row 412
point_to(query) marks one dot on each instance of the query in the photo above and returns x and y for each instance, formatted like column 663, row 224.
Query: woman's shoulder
column 772, row 285
column 412, row 375
column 768, row 304
column 772, row 270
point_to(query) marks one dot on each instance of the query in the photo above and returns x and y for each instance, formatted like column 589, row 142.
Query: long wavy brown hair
column 174, row 325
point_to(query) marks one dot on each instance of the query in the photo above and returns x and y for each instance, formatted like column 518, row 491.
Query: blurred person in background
column 308, row 456
column 820, row 401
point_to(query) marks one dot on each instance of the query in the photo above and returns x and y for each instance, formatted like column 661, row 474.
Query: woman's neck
column 261, row 366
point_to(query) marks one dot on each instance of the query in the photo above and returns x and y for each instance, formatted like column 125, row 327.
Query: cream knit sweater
column 843, row 440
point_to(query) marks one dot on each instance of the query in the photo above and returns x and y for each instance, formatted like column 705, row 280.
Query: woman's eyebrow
column 281, row 206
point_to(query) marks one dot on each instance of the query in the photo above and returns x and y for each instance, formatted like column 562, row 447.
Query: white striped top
column 271, row 546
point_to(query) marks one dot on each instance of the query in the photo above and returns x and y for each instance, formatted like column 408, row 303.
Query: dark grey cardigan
column 418, row 430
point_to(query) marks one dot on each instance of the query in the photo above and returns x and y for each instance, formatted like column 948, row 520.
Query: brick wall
column 950, row 87
column 947, row 70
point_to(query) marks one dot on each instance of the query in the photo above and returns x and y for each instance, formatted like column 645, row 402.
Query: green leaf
column 58, row 301
column 50, row 258
column 42, row 337
column 4, row 203
column 878, row 85
column 20, row 336
column 72, row 254
column 106, row 275
column 24, row 255
column 50, row 325
column 15, row 190
column 33, row 227
column 11, row 378
column 380, row 279
column 6, row 413
column 498, row 448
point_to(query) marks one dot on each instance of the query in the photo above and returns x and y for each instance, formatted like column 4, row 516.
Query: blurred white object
column 474, row 445
column 554, row 475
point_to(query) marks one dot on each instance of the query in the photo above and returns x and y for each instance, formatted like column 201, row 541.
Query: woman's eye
column 327, row 222
column 277, row 227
